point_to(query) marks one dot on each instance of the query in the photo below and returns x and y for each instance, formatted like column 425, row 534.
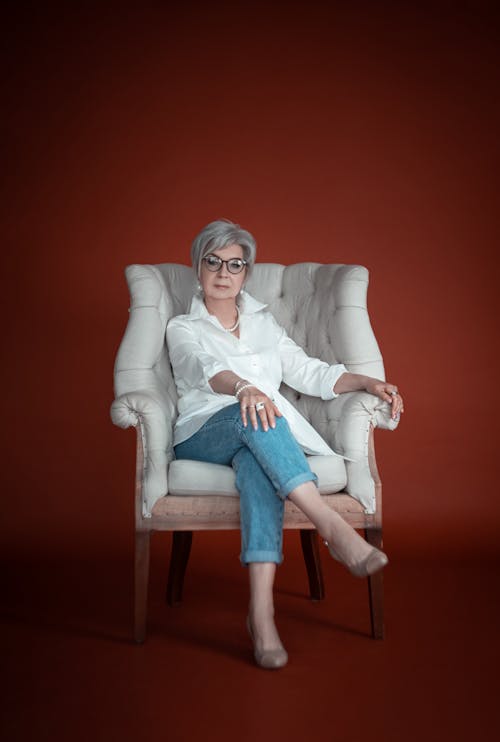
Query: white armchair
column 323, row 308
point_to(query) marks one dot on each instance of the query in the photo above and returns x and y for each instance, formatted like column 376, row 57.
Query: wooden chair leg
column 142, row 542
column 181, row 548
column 376, row 588
column 310, row 549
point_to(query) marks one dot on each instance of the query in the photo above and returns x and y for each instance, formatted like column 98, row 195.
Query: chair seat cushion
column 186, row 477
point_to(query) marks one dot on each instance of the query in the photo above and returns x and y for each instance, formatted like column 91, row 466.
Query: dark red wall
column 362, row 135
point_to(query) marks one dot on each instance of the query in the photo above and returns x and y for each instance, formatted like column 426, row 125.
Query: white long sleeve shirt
column 200, row 347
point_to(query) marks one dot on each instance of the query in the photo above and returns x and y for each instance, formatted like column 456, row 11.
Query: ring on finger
column 259, row 406
column 394, row 392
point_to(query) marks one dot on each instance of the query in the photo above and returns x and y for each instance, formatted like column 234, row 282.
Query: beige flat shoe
column 269, row 659
column 372, row 563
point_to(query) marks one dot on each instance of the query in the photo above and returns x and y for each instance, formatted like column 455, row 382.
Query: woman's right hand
column 253, row 402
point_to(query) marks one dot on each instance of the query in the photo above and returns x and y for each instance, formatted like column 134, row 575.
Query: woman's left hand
column 389, row 393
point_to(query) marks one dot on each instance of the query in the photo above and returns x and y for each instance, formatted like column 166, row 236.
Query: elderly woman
column 229, row 357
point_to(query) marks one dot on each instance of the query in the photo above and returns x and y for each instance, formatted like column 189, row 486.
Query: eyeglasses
column 214, row 264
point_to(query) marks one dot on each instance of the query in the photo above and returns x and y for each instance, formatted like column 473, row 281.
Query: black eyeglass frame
column 221, row 263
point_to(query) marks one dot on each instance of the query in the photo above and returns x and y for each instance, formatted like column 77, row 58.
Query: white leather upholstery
column 322, row 307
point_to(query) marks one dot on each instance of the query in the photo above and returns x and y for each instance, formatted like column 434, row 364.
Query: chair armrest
column 356, row 413
column 149, row 412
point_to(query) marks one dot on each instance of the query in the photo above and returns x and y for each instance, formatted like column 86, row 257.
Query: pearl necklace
column 234, row 327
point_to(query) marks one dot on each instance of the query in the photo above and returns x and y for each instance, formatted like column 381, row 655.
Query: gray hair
column 220, row 234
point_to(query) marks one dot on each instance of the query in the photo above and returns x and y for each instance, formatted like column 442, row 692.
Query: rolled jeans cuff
column 305, row 476
column 255, row 555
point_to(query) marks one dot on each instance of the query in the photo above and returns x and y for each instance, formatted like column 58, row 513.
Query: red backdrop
column 362, row 135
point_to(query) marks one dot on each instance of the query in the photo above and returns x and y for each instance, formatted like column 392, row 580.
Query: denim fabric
column 268, row 466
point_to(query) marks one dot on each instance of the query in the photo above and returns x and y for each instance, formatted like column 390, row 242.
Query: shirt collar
column 247, row 305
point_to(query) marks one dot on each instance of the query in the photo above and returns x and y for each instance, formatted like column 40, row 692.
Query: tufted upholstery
column 322, row 307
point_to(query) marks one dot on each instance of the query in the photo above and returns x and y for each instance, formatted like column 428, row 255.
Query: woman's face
column 222, row 284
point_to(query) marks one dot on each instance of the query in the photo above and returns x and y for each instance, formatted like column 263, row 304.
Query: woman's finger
column 270, row 416
column 253, row 417
column 276, row 411
column 263, row 417
column 391, row 391
column 243, row 411
column 395, row 405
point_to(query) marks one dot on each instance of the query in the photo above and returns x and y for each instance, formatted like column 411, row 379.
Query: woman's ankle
column 261, row 609
column 264, row 631
column 347, row 543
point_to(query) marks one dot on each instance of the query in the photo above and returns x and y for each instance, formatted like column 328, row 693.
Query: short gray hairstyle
column 220, row 234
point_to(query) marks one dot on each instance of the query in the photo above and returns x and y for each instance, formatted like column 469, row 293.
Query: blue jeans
column 268, row 466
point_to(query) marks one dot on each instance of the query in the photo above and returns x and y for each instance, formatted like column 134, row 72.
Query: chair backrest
column 322, row 307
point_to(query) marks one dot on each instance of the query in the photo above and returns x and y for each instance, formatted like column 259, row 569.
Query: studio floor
column 73, row 673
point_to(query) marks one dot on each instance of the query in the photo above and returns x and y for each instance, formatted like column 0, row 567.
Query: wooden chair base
column 376, row 588
column 181, row 548
column 309, row 541
column 142, row 544
column 179, row 557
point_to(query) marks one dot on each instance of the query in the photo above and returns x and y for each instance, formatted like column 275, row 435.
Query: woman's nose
column 223, row 271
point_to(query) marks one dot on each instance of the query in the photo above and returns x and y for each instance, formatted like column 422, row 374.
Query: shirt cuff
column 331, row 377
column 210, row 371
